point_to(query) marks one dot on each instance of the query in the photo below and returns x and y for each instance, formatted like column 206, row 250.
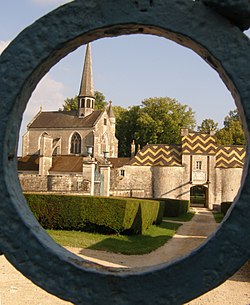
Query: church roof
column 28, row 163
column 87, row 84
column 65, row 119
column 67, row 164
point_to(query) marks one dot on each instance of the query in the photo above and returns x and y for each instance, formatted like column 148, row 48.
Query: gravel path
column 16, row 289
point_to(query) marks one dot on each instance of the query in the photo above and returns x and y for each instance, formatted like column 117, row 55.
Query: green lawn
column 186, row 217
column 218, row 216
column 151, row 239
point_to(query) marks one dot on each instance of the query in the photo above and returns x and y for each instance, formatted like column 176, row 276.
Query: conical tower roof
column 87, row 84
column 110, row 110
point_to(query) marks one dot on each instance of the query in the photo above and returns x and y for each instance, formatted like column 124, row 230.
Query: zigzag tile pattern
column 198, row 143
column 230, row 156
column 158, row 155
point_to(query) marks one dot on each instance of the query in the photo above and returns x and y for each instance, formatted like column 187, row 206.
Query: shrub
column 88, row 213
column 175, row 207
column 225, row 206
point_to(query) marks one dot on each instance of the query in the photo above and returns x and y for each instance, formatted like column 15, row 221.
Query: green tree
column 207, row 125
column 156, row 120
column 72, row 103
column 232, row 132
column 100, row 102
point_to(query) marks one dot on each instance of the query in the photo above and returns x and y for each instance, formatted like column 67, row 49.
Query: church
column 77, row 152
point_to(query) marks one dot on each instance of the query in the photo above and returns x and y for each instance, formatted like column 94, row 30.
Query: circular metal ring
column 22, row 65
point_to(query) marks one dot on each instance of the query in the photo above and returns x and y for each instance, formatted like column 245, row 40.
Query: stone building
column 71, row 132
column 65, row 151
column 60, row 149
column 172, row 171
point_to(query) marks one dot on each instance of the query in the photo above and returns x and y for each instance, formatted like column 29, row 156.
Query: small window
column 105, row 122
column 122, row 172
column 88, row 103
column 198, row 165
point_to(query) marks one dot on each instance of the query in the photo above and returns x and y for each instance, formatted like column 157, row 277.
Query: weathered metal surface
column 27, row 60
column 238, row 11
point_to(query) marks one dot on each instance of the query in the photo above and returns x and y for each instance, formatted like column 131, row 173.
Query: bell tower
column 86, row 97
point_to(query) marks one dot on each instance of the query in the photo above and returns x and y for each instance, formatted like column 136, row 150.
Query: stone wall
column 169, row 182
column 131, row 181
column 33, row 182
column 54, row 183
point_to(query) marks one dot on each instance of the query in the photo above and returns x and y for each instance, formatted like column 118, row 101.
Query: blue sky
column 126, row 69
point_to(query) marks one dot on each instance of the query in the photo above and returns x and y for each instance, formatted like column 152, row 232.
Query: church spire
column 86, row 97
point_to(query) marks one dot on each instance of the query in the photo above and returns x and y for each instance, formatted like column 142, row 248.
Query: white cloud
column 48, row 95
column 3, row 45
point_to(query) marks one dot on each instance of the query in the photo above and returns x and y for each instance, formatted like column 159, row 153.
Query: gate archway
column 199, row 196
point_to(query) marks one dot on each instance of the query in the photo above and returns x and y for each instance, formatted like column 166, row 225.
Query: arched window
column 56, row 151
column 88, row 103
column 75, row 147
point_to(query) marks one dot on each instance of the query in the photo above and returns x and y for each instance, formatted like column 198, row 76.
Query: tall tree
column 156, row 120
column 100, row 102
column 207, row 125
column 232, row 132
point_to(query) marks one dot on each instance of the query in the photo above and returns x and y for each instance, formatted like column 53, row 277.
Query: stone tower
column 86, row 97
column 111, row 116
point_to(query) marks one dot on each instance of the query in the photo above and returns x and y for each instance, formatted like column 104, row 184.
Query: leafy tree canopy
column 207, row 125
column 156, row 120
column 232, row 132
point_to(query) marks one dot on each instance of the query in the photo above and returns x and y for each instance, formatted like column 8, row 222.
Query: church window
column 122, row 172
column 75, row 147
column 82, row 106
column 198, row 165
column 56, row 151
column 88, row 103
column 105, row 121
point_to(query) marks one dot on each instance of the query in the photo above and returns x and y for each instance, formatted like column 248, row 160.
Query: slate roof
column 64, row 119
column 87, row 84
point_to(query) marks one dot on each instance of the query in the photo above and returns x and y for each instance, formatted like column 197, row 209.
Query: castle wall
column 170, row 182
column 54, row 183
column 136, row 182
column 230, row 181
column 33, row 182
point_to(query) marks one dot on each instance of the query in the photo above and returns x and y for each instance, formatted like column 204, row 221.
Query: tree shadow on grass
column 137, row 244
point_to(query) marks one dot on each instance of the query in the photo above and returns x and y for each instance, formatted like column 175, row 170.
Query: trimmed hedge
column 94, row 214
column 225, row 206
column 175, row 207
